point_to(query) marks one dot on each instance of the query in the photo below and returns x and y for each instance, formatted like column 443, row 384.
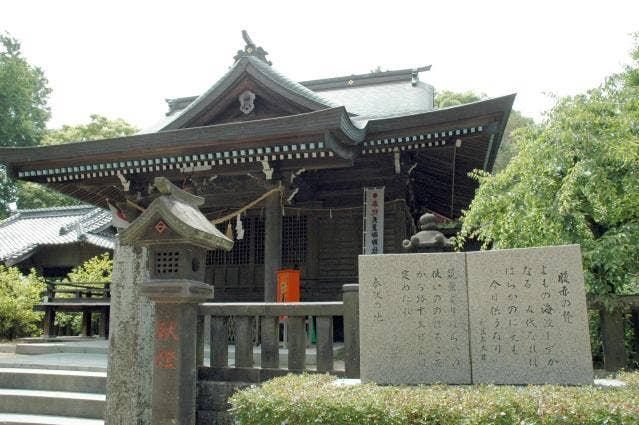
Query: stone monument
column 528, row 316
column 503, row 317
column 413, row 319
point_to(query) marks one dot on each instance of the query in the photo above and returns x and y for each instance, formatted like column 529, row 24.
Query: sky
column 122, row 59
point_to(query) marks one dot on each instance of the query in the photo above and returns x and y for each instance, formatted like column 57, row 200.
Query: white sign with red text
column 373, row 220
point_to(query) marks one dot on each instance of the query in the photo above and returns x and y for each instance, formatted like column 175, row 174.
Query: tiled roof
column 384, row 100
column 242, row 65
column 374, row 95
column 22, row 233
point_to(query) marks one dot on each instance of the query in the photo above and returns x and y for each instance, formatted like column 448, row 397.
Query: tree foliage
column 575, row 180
column 23, row 107
column 507, row 149
column 96, row 269
column 99, row 127
column 18, row 295
column 446, row 98
column 23, row 97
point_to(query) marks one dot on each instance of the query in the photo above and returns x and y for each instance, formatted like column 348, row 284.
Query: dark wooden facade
column 322, row 244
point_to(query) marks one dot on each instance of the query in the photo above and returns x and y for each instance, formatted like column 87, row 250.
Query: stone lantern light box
column 177, row 236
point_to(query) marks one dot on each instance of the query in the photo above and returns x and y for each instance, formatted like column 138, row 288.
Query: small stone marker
column 414, row 319
column 528, row 316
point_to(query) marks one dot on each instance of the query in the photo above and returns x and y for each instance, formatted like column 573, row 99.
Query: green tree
column 575, row 180
column 33, row 195
column 96, row 269
column 99, row 127
column 507, row 149
column 18, row 295
column 446, row 98
column 23, row 107
column 23, row 97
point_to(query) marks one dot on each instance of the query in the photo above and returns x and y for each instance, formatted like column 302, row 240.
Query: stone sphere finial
column 428, row 239
column 428, row 222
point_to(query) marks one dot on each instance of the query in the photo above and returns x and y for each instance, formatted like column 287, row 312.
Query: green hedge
column 312, row 399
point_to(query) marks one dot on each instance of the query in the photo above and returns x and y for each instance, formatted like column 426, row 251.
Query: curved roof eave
column 334, row 120
column 501, row 104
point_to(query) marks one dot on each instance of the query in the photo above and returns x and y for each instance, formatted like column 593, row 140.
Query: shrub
column 18, row 295
column 312, row 399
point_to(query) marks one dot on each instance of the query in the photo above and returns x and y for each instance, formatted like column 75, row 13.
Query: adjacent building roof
column 25, row 231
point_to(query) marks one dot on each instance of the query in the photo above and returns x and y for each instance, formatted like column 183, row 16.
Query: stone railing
column 267, row 317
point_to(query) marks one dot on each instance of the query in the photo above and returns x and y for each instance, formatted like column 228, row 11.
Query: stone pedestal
column 130, row 341
column 174, row 357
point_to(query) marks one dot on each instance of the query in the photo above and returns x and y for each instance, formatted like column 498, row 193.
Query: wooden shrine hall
column 290, row 159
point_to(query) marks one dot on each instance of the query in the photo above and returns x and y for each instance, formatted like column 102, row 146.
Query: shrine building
column 291, row 159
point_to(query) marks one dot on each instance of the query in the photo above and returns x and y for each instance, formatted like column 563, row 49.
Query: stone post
column 351, row 330
column 175, row 349
column 130, row 341
column 272, row 245
column 612, row 334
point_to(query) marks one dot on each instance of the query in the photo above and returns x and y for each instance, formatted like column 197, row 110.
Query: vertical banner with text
column 373, row 220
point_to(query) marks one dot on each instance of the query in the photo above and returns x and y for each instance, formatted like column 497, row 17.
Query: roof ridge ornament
column 251, row 50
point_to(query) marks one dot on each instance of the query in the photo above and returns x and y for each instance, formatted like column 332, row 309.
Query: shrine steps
column 22, row 419
column 51, row 397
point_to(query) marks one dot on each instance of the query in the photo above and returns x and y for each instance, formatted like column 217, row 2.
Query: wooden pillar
column 85, row 329
column 272, row 245
column 49, row 322
column 104, row 323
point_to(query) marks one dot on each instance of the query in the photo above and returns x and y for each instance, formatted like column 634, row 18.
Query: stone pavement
column 91, row 355
column 77, row 355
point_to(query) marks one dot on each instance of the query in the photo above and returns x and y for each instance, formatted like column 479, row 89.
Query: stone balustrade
column 267, row 316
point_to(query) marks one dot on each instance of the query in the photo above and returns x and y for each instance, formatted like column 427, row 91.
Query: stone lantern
column 177, row 236
column 429, row 238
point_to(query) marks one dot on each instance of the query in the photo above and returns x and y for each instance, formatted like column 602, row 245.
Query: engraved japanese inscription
column 528, row 315
column 414, row 319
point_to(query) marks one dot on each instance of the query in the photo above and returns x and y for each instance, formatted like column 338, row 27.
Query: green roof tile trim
column 33, row 162
column 242, row 156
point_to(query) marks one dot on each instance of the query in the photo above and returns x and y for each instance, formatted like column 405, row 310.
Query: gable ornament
column 247, row 102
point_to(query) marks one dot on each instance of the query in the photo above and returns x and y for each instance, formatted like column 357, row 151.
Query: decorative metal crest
column 251, row 49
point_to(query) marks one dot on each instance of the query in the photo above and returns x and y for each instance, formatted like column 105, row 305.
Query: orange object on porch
column 288, row 285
